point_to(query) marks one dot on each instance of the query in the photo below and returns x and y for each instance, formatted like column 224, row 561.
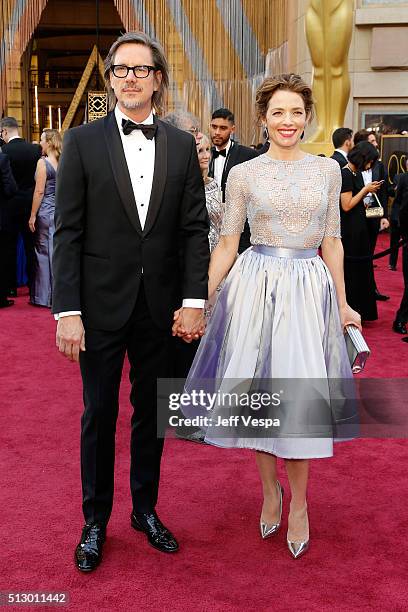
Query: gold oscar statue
column 328, row 32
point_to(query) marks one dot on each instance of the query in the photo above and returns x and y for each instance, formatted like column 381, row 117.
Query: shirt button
column 140, row 149
column 141, row 176
column 142, row 205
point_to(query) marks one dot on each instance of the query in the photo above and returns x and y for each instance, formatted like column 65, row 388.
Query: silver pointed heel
column 269, row 530
column 297, row 549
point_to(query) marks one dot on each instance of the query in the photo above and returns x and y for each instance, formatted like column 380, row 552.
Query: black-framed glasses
column 141, row 72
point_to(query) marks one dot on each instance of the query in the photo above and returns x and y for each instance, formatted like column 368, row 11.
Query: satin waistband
column 284, row 252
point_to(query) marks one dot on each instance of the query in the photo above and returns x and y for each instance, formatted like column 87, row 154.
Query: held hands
column 348, row 316
column 189, row 324
column 70, row 337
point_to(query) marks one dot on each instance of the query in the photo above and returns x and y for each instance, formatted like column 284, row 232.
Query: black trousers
column 395, row 235
column 148, row 349
column 402, row 313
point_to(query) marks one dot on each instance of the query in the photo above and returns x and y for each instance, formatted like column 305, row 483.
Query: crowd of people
column 27, row 206
column 151, row 230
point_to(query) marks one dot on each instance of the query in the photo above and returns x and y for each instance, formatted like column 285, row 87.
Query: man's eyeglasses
column 140, row 72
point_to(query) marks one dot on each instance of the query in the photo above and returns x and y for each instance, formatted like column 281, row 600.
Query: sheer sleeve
column 332, row 228
column 235, row 205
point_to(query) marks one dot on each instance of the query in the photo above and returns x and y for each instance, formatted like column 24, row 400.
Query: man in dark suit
column 225, row 155
column 130, row 199
column 8, row 188
column 401, row 203
column 23, row 159
column 343, row 143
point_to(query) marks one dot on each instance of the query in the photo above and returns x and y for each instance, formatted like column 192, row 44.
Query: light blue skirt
column 277, row 317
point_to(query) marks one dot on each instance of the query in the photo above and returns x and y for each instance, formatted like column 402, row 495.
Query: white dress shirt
column 219, row 164
column 140, row 156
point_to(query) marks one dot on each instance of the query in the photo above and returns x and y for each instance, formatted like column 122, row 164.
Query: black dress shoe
column 157, row 534
column 6, row 303
column 393, row 268
column 88, row 553
column 399, row 327
column 381, row 297
column 12, row 293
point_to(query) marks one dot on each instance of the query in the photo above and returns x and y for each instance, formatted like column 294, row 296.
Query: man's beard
column 131, row 104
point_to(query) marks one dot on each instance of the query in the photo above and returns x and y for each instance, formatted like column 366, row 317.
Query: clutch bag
column 375, row 211
column 357, row 348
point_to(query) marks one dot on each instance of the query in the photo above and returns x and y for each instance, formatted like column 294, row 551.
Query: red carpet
column 210, row 497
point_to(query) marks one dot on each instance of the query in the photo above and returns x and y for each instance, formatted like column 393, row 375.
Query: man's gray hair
column 181, row 119
column 159, row 62
column 9, row 122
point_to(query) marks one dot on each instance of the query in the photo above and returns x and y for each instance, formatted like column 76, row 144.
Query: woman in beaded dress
column 185, row 352
column 282, row 309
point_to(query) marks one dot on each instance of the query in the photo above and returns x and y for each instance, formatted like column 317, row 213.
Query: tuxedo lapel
column 120, row 170
column 159, row 175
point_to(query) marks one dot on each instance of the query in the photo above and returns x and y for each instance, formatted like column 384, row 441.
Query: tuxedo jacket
column 340, row 159
column 100, row 250
column 23, row 160
column 8, row 188
column 401, row 203
column 237, row 154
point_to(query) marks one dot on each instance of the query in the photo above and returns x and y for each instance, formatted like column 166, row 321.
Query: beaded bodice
column 292, row 204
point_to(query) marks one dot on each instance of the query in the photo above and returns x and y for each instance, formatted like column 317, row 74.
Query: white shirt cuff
column 68, row 313
column 193, row 303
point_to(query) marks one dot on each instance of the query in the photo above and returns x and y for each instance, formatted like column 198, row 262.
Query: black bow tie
column 149, row 129
column 216, row 153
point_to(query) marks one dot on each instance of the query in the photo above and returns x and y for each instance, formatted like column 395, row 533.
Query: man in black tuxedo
column 401, row 203
column 130, row 199
column 23, row 159
column 342, row 139
column 225, row 155
column 8, row 188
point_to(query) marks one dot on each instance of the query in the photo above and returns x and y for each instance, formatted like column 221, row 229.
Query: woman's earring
column 302, row 135
column 265, row 133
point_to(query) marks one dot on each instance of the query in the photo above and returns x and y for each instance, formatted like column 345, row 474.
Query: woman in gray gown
column 282, row 309
column 41, row 221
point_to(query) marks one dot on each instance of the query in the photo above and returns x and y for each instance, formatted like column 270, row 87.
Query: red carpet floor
column 210, row 497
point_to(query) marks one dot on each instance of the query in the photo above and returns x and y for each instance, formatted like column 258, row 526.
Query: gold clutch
column 376, row 211
column 357, row 348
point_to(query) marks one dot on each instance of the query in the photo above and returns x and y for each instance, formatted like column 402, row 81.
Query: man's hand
column 70, row 336
column 189, row 324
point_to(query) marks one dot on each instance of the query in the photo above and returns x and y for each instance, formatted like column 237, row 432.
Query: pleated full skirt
column 276, row 317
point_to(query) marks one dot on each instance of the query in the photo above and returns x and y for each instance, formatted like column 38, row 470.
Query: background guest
column 23, row 159
column 8, row 187
column 376, row 173
column 395, row 232
column 185, row 121
column 185, row 352
column 342, row 139
column 358, row 274
column 401, row 204
column 225, row 155
column 41, row 221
